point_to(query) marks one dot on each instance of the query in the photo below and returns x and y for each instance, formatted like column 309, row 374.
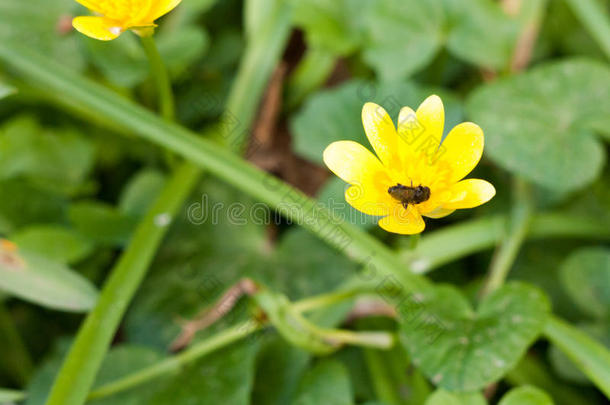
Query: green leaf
column 293, row 326
column 442, row 397
column 460, row 349
column 526, row 395
column 385, row 371
column 44, row 282
column 334, row 115
column 42, row 25
column 182, row 47
column 328, row 25
column 594, row 16
column 29, row 204
column 403, row 36
column 585, row 276
column 332, row 195
column 223, row 377
column 540, row 124
column 57, row 159
column 191, row 271
column 53, row 242
column 303, row 275
column 140, row 192
column 101, row 222
column 326, row 383
column 591, row 357
column 123, row 61
column 120, row 361
column 282, row 363
column 188, row 12
column 533, row 370
column 564, row 367
column 219, row 161
column 538, row 263
column 483, row 34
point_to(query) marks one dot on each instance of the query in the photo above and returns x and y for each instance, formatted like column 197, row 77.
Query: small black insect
column 409, row 195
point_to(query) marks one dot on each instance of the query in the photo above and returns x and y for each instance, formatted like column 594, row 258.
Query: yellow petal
column 462, row 150
column 162, row 7
column 354, row 163
column 129, row 12
column 431, row 116
column 369, row 200
column 439, row 213
column 93, row 5
column 381, row 133
column 470, row 193
column 101, row 28
column 420, row 133
column 410, row 132
column 404, row 221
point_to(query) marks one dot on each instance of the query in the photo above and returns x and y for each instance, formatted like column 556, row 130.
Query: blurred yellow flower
column 414, row 174
column 116, row 16
column 7, row 245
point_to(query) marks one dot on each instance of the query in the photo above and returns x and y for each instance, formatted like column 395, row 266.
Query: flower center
column 409, row 195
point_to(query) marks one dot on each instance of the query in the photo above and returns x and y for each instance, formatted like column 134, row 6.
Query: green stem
column 240, row 331
column 161, row 77
column 594, row 17
column 382, row 385
column 311, row 73
column 266, row 42
column 86, row 355
column 591, row 357
column 414, row 241
column 95, row 335
column 506, row 254
column 16, row 359
column 454, row 242
column 176, row 363
column 290, row 202
column 326, row 300
column 374, row 339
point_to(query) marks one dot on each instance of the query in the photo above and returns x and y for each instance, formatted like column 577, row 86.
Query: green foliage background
column 77, row 177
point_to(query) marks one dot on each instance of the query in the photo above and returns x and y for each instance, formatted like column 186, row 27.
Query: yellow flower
column 414, row 174
column 116, row 16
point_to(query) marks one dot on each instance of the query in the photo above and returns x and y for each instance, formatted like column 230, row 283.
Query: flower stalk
column 379, row 340
column 95, row 335
column 520, row 219
column 85, row 357
column 469, row 237
column 161, row 78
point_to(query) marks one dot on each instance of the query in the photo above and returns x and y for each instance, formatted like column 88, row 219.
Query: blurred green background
column 533, row 74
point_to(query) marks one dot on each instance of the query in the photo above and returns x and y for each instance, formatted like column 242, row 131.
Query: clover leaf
column 541, row 124
column 461, row 349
